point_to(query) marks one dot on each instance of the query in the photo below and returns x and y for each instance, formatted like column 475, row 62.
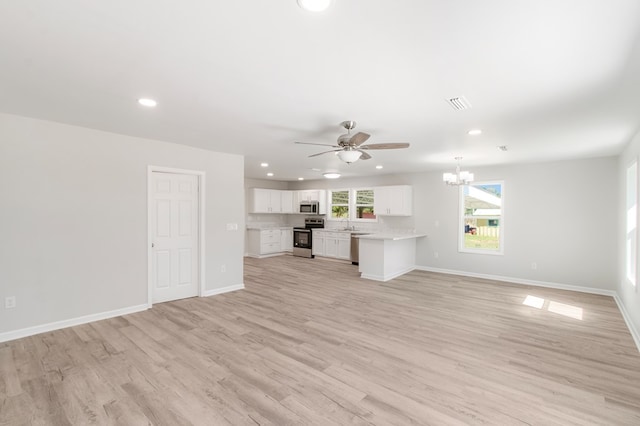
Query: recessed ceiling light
column 474, row 132
column 300, row 178
column 269, row 174
column 379, row 166
column 314, row 5
column 147, row 102
column 264, row 164
column 331, row 175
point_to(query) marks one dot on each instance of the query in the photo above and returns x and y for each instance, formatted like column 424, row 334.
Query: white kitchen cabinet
column 332, row 244
column 309, row 195
column 265, row 200
column 319, row 195
column 286, row 202
column 344, row 247
column 268, row 242
column 317, row 242
column 286, row 240
column 393, row 200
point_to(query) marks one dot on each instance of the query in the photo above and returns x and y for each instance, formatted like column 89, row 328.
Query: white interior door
column 174, row 225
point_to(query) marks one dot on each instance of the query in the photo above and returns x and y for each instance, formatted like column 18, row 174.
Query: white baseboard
column 558, row 286
column 264, row 256
column 30, row 331
column 388, row 277
column 634, row 332
column 227, row 289
column 627, row 319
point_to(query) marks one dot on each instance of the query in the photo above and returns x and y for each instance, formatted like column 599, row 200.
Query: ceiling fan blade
column 364, row 156
column 317, row 144
column 385, row 146
column 325, row 152
column 358, row 139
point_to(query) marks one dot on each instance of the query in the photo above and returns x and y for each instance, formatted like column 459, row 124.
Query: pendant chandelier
column 457, row 178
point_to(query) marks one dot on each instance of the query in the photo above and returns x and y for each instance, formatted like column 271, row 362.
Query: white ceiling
column 549, row 79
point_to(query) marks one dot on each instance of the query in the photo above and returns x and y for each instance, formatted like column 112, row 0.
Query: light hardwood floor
column 308, row 342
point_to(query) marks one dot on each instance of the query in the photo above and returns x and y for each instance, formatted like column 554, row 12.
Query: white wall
column 560, row 215
column 73, row 219
column 628, row 295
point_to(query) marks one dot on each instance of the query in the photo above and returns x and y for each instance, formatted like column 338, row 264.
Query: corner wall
column 74, row 219
column 628, row 295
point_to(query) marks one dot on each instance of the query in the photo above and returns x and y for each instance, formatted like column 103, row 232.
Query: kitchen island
column 388, row 255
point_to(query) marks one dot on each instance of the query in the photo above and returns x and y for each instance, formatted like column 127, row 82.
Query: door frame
column 201, row 215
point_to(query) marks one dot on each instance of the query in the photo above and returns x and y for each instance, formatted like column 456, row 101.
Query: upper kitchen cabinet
column 393, row 200
column 319, row 195
column 286, row 202
column 265, row 200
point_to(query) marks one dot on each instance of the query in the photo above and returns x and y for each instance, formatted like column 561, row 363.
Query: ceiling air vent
column 459, row 103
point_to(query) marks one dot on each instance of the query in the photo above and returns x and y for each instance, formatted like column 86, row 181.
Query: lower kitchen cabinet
column 317, row 242
column 286, row 240
column 269, row 242
column 332, row 244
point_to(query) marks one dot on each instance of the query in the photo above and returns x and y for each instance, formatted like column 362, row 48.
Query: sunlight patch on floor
column 570, row 311
column 534, row 302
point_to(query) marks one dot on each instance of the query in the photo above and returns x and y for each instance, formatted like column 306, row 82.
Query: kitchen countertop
column 344, row 231
column 266, row 228
column 391, row 236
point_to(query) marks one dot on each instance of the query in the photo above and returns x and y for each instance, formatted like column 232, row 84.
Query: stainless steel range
column 303, row 237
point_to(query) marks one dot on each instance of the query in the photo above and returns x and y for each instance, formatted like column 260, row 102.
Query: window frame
column 354, row 193
column 352, row 205
column 462, row 217
column 631, row 220
column 331, row 204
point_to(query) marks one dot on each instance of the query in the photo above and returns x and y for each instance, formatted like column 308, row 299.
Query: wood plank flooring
column 308, row 342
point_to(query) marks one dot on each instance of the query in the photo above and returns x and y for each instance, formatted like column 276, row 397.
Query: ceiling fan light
column 331, row 175
column 349, row 156
column 314, row 5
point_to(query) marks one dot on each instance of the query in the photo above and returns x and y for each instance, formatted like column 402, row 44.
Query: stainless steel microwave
column 310, row 207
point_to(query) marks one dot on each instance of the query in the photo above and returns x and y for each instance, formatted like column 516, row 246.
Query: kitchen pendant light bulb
column 459, row 177
column 349, row 156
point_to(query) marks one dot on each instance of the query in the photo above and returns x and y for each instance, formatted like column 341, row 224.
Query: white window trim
column 461, row 220
column 330, row 204
column 352, row 205
column 352, row 210
column 631, row 253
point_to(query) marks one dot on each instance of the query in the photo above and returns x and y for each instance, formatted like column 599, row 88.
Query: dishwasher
column 355, row 247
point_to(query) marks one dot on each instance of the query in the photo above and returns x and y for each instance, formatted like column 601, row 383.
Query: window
column 481, row 218
column 352, row 204
column 339, row 204
column 631, row 222
column 364, row 204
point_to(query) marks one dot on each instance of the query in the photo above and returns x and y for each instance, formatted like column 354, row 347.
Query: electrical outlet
column 223, row 268
column 437, row 223
column 232, row 226
column 10, row 302
column 435, row 254
column 534, row 265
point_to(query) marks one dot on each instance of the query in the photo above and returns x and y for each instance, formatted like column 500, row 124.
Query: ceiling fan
column 350, row 147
